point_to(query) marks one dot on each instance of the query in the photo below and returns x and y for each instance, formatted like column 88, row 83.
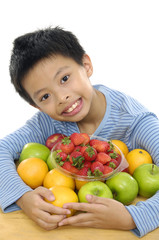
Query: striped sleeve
column 11, row 185
column 146, row 214
column 146, row 135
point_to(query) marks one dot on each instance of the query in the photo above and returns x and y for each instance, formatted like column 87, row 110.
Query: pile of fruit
column 82, row 156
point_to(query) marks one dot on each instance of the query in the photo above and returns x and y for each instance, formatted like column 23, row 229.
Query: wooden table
column 17, row 226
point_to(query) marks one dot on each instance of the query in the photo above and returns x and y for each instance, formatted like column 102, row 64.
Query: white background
column 121, row 37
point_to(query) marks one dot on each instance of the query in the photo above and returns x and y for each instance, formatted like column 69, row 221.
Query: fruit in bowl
column 86, row 157
column 53, row 139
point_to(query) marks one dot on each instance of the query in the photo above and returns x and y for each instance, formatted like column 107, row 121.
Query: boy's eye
column 45, row 97
column 64, row 79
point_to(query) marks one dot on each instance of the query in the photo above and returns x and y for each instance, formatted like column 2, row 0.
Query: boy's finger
column 85, row 207
column 47, row 206
column 78, row 220
column 56, row 210
column 45, row 193
column 49, row 222
column 98, row 200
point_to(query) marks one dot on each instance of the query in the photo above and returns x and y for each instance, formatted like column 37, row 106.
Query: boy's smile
column 74, row 108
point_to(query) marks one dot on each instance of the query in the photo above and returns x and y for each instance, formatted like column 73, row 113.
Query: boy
column 51, row 71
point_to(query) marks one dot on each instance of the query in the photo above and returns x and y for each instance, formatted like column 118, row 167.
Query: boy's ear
column 87, row 65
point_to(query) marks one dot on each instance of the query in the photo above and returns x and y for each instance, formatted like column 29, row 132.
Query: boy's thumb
column 46, row 193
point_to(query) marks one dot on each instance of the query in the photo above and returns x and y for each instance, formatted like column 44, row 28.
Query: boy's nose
column 63, row 99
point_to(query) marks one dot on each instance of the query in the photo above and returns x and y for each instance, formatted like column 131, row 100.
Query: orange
column 121, row 145
column 32, row 171
column 55, row 177
column 136, row 158
column 79, row 183
column 63, row 195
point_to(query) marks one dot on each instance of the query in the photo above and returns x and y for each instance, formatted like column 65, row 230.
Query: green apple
column 34, row 150
column 96, row 188
column 147, row 176
column 51, row 161
column 124, row 187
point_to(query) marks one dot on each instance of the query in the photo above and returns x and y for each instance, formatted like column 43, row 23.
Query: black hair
column 32, row 47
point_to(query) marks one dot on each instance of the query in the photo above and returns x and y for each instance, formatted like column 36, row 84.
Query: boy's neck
column 96, row 114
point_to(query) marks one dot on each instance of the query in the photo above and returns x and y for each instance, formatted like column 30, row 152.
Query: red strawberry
column 77, row 148
column 61, row 156
column 107, row 169
column 67, row 165
column 77, row 159
column 77, row 138
column 103, row 157
column 75, row 154
column 110, row 151
column 86, row 138
column 74, row 170
column 97, row 168
column 93, row 142
column 111, row 147
column 67, row 146
column 90, row 153
column 100, row 146
column 118, row 158
column 87, row 164
column 83, row 171
column 113, row 163
column 83, row 149
column 125, row 170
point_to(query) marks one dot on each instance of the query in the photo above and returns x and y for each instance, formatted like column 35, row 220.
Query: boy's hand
column 100, row 213
column 34, row 205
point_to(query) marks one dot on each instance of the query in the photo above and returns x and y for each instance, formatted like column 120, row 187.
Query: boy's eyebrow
column 57, row 73
column 60, row 70
column 37, row 93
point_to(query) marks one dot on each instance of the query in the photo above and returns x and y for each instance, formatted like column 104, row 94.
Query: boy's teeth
column 72, row 107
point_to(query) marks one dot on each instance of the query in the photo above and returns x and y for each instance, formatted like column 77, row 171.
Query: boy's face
column 61, row 88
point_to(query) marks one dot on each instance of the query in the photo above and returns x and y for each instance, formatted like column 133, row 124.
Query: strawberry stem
column 78, row 162
column 66, row 140
column 90, row 151
column 113, row 155
column 97, row 173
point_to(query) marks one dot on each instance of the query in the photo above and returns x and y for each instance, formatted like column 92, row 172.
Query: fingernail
column 89, row 197
column 68, row 212
column 51, row 198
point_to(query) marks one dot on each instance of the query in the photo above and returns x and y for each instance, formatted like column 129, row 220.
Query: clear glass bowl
column 123, row 164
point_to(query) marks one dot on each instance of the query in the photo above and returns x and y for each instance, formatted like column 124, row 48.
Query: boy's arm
column 145, row 135
column 11, row 185
column 146, row 214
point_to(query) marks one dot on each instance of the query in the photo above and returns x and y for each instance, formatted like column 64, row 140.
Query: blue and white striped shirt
column 125, row 119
